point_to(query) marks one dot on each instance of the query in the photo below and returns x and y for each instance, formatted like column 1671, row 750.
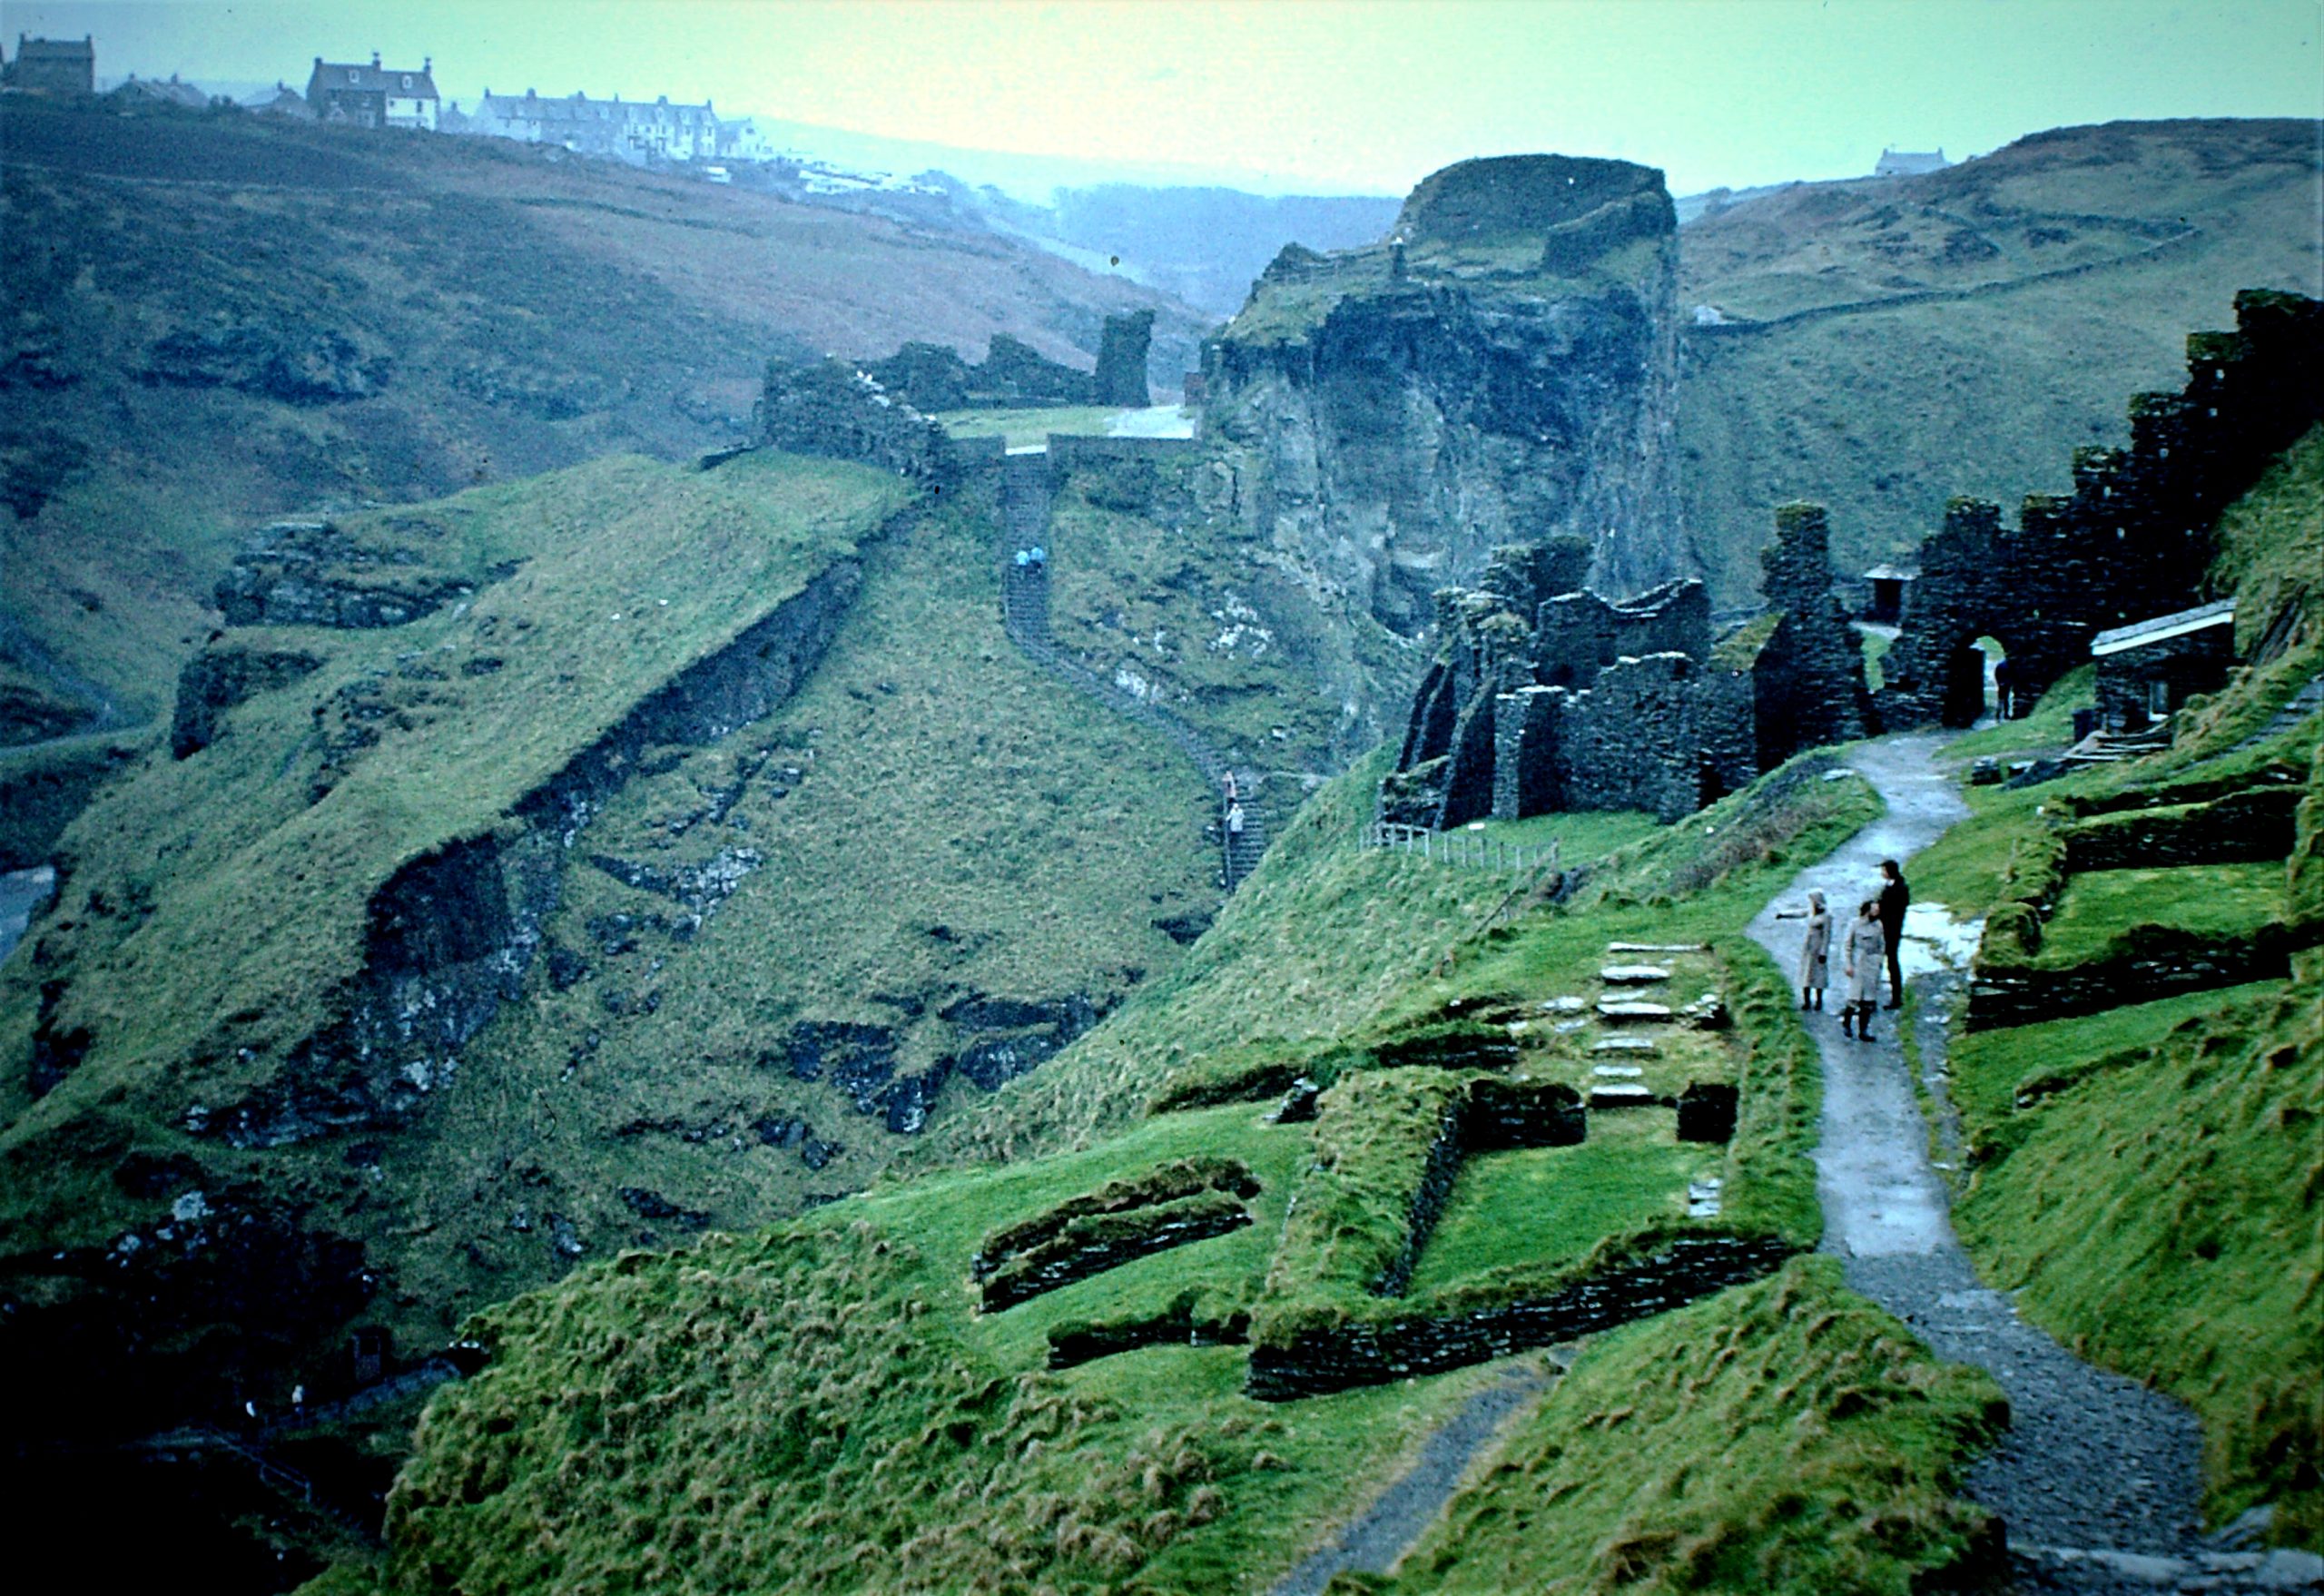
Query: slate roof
column 2138, row 634
column 578, row 108
column 74, row 51
column 354, row 77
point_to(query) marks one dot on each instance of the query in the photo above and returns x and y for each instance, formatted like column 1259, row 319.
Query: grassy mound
column 1783, row 1437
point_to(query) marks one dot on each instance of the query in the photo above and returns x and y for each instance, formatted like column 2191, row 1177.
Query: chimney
column 428, row 63
column 375, row 61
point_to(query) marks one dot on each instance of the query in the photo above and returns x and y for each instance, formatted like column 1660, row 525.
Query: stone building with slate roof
column 374, row 95
column 53, row 66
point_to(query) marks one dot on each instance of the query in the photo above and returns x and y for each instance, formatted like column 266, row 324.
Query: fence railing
column 1463, row 847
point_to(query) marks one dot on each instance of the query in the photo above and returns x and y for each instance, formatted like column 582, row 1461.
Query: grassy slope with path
column 2148, row 1178
column 875, row 1432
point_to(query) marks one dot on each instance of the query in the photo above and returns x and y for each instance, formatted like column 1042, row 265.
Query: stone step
column 1617, row 1071
column 1625, row 1012
column 1634, row 1045
column 1656, row 947
column 1632, row 975
column 1621, row 1094
column 1565, row 1006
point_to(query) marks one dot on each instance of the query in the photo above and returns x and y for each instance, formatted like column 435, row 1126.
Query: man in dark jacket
column 1893, row 896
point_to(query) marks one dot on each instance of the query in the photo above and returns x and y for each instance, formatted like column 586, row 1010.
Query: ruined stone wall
column 2133, row 540
column 1809, row 679
column 1122, row 349
column 832, row 409
column 1338, row 1358
column 1632, row 740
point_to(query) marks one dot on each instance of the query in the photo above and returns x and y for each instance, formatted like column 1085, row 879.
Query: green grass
column 1581, row 838
column 2212, row 900
column 1549, row 1205
column 823, row 1406
column 1029, row 426
column 195, row 979
column 2048, row 730
column 1782, row 1437
column 2156, row 1204
column 1154, row 593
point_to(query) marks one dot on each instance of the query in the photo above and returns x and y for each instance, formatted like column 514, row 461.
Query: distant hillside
column 1891, row 342
column 213, row 318
column 1206, row 245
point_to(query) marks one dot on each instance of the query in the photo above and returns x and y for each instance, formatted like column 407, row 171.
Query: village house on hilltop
column 1896, row 162
column 627, row 130
column 53, row 66
column 374, row 95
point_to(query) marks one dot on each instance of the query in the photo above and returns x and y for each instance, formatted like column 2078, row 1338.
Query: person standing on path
column 1866, row 945
column 1815, row 953
column 1893, row 898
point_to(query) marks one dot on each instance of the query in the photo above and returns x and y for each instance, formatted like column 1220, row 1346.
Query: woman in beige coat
column 1815, row 952
column 1867, row 945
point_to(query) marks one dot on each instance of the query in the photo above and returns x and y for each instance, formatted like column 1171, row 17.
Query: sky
column 1357, row 96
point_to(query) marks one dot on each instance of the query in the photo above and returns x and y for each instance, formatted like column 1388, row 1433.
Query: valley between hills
column 632, row 990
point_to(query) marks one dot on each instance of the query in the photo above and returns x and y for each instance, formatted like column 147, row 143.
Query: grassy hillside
column 209, row 319
column 859, row 1425
column 2147, row 1177
column 2002, row 308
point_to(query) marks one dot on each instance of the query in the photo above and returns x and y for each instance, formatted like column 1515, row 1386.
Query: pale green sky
column 1319, row 94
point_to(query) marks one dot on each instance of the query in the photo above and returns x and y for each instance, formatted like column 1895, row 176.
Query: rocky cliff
column 1502, row 370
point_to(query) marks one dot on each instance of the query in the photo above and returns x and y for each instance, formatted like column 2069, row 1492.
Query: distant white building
column 629, row 129
column 1896, row 162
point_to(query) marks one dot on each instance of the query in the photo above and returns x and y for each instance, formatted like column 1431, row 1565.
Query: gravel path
column 1383, row 1531
column 2099, row 1480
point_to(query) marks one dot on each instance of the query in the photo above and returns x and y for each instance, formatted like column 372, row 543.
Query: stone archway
column 1965, row 686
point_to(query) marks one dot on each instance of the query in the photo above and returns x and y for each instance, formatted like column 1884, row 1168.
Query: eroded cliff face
column 1502, row 370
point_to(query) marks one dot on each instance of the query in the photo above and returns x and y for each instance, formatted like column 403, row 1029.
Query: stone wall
column 1808, row 680
column 1541, row 699
column 2164, row 962
column 832, row 409
column 1341, row 1356
column 2247, row 827
column 2132, row 540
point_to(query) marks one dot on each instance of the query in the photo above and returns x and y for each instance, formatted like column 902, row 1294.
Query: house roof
column 168, row 92
column 2139, row 634
column 1896, row 162
column 73, row 50
column 1892, row 574
column 353, row 77
column 578, row 108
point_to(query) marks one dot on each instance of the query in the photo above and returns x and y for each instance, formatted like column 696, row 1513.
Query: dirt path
column 2099, row 1480
column 1381, row 1533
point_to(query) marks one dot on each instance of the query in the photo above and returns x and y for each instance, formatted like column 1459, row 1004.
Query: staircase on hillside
column 1025, row 495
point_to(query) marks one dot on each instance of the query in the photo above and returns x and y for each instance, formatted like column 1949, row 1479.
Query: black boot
column 1804, row 1002
column 1848, row 1020
column 1864, row 1030
column 1819, row 1000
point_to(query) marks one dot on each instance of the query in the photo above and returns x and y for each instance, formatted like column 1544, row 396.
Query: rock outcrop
column 1501, row 372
